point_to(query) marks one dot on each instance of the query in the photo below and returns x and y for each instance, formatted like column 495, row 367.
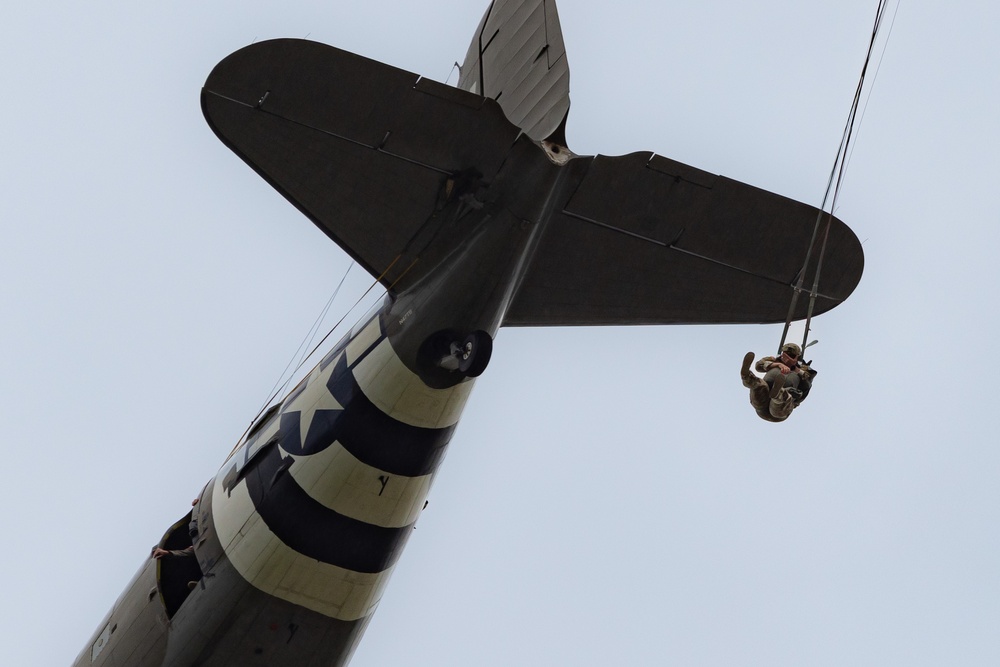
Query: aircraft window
column 101, row 642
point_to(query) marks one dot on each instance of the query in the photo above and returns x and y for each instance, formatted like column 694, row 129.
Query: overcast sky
column 610, row 497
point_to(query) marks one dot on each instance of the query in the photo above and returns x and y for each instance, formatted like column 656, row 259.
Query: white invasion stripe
column 401, row 394
column 274, row 568
column 363, row 340
column 340, row 482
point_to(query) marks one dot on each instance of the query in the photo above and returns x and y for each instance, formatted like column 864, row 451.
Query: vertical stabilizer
column 518, row 58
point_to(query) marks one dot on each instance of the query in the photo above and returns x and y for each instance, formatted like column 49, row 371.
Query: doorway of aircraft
column 177, row 574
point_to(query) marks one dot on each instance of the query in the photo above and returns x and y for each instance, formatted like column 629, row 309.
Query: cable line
column 838, row 170
column 280, row 385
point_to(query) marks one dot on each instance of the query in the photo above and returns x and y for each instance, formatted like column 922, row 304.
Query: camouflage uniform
column 795, row 387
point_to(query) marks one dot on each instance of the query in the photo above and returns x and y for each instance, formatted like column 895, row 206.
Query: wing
column 365, row 150
column 647, row 240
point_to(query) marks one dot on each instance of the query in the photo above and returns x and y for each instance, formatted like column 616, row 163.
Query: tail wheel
column 474, row 353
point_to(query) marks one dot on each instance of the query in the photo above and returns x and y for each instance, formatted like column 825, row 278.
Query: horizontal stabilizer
column 365, row 150
column 371, row 154
column 647, row 240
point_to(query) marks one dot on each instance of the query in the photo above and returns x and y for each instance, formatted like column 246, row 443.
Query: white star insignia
column 316, row 396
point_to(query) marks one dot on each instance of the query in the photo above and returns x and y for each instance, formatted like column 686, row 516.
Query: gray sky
column 610, row 496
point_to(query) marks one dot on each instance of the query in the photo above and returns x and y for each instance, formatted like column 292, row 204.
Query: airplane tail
column 373, row 155
column 517, row 57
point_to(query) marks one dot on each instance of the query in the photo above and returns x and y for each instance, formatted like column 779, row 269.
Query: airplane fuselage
column 298, row 533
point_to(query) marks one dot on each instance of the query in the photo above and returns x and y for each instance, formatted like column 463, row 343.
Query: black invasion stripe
column 377, row 439
column 370, row 435
column 207, row 547
column 316, row 531
column 332, row 354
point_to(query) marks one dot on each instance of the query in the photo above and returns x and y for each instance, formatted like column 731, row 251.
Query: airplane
column 466, row 204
